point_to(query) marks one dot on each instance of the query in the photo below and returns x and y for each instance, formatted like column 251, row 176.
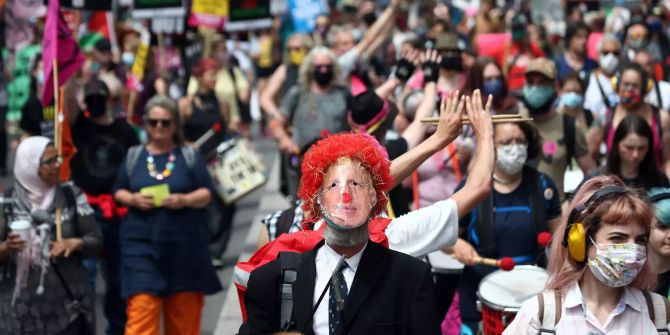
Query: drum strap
column 659, row 310
column 549, row 311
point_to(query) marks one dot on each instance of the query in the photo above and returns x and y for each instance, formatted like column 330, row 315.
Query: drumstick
column 502, row 118
column 505, row 263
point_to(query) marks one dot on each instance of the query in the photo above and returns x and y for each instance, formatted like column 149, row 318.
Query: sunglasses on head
column 163, row 122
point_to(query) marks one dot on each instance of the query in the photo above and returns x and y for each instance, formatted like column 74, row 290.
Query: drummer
column 524, row 202
column 599, row 274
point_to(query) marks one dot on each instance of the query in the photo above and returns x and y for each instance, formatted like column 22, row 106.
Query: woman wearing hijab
column 42, row 277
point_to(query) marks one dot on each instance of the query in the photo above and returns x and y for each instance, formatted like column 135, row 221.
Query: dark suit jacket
column 392, row 293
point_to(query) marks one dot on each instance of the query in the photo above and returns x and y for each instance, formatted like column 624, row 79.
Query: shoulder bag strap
column 549, row 311
column 290, row 261
column 607, row 102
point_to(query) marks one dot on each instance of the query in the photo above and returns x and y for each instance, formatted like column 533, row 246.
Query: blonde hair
column 305, row 41
column 622, row 209
column 305, row 72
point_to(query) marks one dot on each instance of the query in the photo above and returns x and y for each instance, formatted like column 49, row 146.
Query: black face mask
column 323, row 74
column 369, row 18
column 97, row 105
column 452, row 63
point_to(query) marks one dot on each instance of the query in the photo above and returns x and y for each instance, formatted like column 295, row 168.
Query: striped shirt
column 630, row 316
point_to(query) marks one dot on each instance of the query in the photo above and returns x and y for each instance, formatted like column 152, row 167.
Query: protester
column 562, row 138
column 164, row 258
column 659, row 240
column 574, row 58
column 631, row 158
column 102, row 142
column 524, row 203
column 600, row 94
column 633, row 84
column 598, row 269
column 43, row 275
column 341, row 171
column 571, row 95
column 487, row 75
column 659, row 95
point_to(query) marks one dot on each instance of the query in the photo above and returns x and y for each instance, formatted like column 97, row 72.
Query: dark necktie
column 337, row 296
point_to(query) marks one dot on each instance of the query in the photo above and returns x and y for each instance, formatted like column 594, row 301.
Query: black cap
column 365, row 106
column 96, row 86
column 103, row 45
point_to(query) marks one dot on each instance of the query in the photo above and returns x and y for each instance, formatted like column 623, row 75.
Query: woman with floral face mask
column 598, row 269
column 523, row 203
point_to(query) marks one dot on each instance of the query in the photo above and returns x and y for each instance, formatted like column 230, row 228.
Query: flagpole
column 57, row 141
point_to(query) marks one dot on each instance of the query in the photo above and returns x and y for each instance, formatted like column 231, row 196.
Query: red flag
column 58, row 44
column 98, row 23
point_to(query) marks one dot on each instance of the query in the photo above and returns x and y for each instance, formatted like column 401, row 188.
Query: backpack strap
column 549, row 311
column 189, row 156
column 569, row 130
column 132, row 157
column 285, row 221
column 290, row 261
column 659, row 311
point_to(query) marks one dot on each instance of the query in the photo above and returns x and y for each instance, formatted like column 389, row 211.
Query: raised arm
column 267, row 98
column 377, row 28
column 478, row 184
column 416, row 131
column 448, row 128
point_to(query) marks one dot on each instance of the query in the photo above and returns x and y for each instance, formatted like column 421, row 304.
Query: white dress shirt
column 326, row 260
column 424, row 230
column 629, row 317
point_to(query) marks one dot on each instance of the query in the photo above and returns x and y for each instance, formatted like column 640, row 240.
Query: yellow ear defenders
column 574, row 237
column 646, row 88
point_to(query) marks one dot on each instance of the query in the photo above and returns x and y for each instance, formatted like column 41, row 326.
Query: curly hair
column 361, row 148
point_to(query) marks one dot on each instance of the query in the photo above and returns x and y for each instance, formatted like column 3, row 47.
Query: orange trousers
column 181, row 311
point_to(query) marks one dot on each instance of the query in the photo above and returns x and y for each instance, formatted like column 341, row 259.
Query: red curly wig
column 362, row 148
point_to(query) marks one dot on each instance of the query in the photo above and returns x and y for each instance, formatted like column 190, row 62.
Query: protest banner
column 304, row 14
column 249, row 15
column 208, row 13
column 151, row 9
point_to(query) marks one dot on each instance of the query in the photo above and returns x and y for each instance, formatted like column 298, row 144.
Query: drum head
column 507, row 290
column 443, row 263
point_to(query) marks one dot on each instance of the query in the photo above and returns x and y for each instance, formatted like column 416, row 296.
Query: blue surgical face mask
column 95, row 67
column 537, row 96
column 572, row 100
column 493, row 87
column 127, row 58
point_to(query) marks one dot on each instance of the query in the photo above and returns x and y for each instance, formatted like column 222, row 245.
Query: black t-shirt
column 33, row 119
column 399, row 195
column 100, row 151
column 663, row 284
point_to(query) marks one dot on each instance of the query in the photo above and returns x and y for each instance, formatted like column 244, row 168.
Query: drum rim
column 494, row 306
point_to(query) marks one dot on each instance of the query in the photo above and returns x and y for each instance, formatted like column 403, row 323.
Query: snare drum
column 501, row 294
column 442, row 263
column 237, row 170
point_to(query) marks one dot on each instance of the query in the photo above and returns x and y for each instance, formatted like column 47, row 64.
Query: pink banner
column 58, row 44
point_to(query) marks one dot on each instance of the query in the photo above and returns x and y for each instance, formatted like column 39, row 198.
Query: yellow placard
column 158, row 192
column 212, row 7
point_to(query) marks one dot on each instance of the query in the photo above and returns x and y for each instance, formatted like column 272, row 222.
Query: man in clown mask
column 350, row 283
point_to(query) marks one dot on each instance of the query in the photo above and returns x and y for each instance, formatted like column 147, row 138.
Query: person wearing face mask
column 524, row 202
column 102, row 141
column 451, row 76
column 562, row 137
column 33, row 121
column 316, row 104
column 599, row 273
column 345, row 177
column 637, row 37
column 633, row 84
column 659, row 95
column 571, row 97
column 659, row 239
column 599, row 94
column 487, row 75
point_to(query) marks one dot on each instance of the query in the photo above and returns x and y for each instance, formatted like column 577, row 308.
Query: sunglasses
column 607, row 52
column 163, row 122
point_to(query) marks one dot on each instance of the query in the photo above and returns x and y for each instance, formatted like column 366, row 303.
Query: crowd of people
column 418, row 143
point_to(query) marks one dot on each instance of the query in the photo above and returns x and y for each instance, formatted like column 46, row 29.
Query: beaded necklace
column 169, row 167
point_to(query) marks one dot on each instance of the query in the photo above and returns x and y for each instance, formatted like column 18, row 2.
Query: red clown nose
column 346, row 198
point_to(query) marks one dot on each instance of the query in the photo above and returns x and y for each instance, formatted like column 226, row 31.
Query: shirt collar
column 574, row 297
column 352, row 262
